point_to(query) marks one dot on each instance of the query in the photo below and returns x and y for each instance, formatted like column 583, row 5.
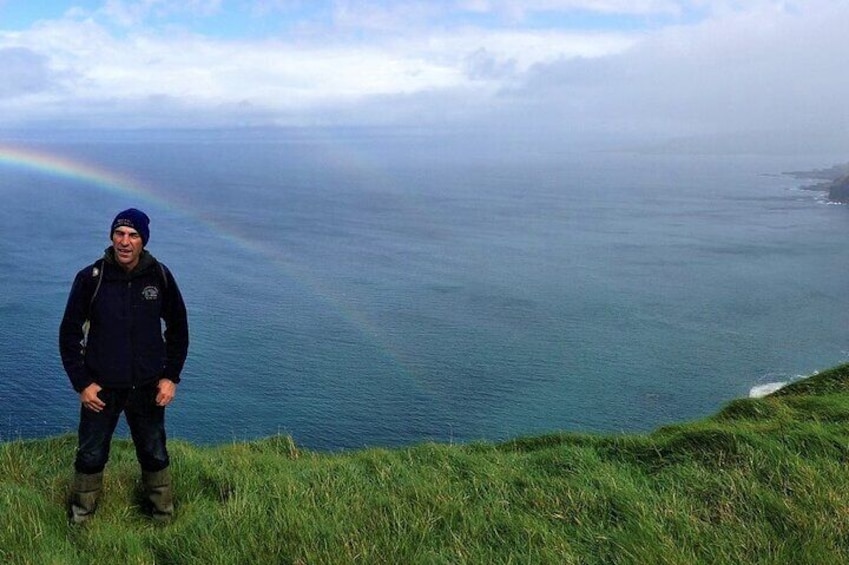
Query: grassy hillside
column 763, row 481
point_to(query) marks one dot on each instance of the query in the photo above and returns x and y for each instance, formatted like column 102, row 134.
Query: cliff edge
column 838, row 190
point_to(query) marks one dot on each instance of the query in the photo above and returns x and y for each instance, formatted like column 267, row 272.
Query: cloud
column 23, row 72
column 519, row 9
column 134, row 13
column 768, row 70
column 696, row 68
column 287, row 75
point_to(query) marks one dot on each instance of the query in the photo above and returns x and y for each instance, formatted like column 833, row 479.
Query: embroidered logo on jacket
column 150, row 292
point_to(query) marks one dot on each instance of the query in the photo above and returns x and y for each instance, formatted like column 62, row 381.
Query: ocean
column 365, row 291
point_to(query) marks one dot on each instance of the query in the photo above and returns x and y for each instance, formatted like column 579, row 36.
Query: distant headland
column 834, row 180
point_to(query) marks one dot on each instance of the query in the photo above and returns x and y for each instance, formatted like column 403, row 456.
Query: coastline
column 833, row 180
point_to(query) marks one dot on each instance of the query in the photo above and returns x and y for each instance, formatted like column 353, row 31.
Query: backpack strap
column 164, row 275
column 96, row 273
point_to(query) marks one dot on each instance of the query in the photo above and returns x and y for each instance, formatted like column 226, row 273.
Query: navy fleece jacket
column 126, row 346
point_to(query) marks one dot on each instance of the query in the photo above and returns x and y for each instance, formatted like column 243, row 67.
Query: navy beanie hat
column 133, row 218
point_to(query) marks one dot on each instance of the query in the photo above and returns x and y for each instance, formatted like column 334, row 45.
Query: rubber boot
column 84, row 494
column 157, row 491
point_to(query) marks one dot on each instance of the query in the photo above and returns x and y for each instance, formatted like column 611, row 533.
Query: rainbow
column 55, row 165
column 79, row 171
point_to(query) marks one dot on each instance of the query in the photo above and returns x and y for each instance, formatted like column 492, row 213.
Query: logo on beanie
column 150, row 292
column 124, row 222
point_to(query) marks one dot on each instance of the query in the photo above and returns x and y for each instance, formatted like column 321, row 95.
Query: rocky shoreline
column 834, row 180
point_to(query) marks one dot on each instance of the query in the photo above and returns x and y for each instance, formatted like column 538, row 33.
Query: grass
column 762, row 481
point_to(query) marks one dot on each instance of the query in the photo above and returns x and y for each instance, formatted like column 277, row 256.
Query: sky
column 697, row 70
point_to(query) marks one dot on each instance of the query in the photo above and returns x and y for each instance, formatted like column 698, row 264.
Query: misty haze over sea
column 376, row 290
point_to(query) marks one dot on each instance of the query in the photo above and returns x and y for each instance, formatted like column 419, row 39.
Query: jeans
column 147, row 427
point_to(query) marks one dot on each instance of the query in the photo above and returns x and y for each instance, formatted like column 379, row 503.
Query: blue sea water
column 365, row 294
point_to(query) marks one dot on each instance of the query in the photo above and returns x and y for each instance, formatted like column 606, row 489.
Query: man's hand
column 167, row 389
column 89, row 398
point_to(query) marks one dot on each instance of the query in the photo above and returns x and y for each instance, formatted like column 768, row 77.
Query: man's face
column 128, row 246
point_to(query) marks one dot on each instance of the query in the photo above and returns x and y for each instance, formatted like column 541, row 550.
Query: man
column 118, row 360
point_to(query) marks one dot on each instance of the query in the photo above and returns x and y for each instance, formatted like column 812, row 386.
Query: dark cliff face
column 838, row 191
